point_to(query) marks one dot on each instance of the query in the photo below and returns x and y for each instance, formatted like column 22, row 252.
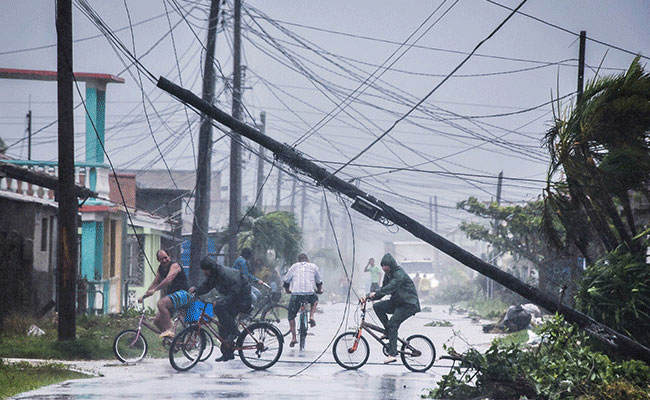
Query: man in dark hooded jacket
column 403, row 301
column 236, row 298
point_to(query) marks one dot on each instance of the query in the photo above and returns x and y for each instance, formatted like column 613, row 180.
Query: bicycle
column 303, row 317
column 254, row 341
column 270, row 310
column 130, row 345
column 351, row 349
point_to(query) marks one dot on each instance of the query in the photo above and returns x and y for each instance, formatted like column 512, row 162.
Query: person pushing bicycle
column 236, row 291
column 403, row 302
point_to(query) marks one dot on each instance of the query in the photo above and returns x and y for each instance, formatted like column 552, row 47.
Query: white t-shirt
column 303, row 278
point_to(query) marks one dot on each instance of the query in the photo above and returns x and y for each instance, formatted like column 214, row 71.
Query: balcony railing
column 82, row 172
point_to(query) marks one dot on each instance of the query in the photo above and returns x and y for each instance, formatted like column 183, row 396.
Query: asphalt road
column 311, row 373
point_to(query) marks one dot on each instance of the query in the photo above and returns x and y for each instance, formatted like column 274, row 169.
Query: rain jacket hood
column 398, row 285
column 388, row 259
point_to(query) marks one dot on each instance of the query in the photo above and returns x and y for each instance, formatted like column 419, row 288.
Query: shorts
column 179, row 299
column 296, row 299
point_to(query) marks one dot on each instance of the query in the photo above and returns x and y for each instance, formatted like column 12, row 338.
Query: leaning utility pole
column 201, row 222
column 67, row 254
column 377, row 210
column 259, row 194
column 235, row 138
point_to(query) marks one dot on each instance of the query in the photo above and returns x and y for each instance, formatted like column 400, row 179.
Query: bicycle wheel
column 128, row 346
column 303, row 330
column 418, row 353
column 209, row 345
column 345, row 353
column 186, row 348
column 278, row 315
column 260, row 345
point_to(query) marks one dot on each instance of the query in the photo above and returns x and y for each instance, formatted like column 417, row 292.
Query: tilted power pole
column 377, row 210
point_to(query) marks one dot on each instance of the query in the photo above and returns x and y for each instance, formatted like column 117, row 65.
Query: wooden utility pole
column 436, row 254
column 302, row 207
column 235, row 147
column 430, row 213
column 278, row 191
column 293, row 198
column 581, row 64
column 378, row 210
column 259, row 194
column 323, row 234
column 67, row 254
column 490, row 282
column 201, row 221
column 29, row 134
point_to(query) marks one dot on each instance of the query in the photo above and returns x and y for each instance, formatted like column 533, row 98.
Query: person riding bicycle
column 236, row 298
column 171, row 276
column 243, row 264
column 300, row 280
column 403, row 302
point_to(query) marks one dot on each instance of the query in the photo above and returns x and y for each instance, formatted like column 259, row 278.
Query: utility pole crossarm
column 294, row 158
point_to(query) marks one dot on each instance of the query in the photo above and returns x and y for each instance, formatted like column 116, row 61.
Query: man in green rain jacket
column 403, row 301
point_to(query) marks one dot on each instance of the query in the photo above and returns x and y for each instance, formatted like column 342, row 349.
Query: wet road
column 294, row 375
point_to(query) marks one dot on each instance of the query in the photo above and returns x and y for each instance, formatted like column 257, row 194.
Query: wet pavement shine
column 311, row 373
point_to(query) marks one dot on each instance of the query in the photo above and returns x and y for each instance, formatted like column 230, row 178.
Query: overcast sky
column 305, row 58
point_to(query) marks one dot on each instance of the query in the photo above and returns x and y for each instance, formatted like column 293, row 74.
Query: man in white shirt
column 301, row 280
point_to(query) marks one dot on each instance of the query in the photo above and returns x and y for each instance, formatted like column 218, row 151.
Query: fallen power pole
column 377, row 210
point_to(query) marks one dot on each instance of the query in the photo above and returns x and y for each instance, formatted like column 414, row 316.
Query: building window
column 44, row 236
column 136, row 260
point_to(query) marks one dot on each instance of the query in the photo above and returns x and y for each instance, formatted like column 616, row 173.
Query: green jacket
column 398, row 284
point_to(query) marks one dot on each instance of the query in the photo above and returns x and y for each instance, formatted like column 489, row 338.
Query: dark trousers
column 226, row 312
column 400, row 314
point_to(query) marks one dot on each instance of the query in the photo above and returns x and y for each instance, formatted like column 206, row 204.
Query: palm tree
column 276, row 231
column 601, row 148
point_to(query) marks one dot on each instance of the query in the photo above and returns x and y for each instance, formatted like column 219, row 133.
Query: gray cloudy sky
column 305, row 57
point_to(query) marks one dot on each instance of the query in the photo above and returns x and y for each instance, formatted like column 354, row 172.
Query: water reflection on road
column 155, row 379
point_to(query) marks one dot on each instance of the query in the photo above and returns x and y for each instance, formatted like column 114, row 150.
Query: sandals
column 293, row 343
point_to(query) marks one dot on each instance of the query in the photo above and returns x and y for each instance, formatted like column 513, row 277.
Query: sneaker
column 390, row 359
column 168, row 333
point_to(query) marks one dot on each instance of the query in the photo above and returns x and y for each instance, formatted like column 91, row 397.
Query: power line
column 433, row 90
column 567, row 30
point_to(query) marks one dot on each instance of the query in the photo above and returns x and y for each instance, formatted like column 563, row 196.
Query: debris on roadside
column 439, row 323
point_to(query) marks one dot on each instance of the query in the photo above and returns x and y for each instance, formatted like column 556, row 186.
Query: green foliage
column 615, row 290
column 22, row 376
column 601, row 147
column 518, row 231
column 276, row 231
column 563, row 367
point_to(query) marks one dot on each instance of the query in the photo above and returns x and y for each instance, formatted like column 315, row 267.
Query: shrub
column 615, row 292
column 563, row 367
